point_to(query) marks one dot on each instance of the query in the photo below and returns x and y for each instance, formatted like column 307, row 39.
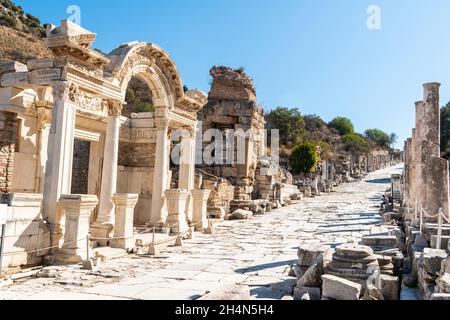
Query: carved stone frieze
column 85, row 101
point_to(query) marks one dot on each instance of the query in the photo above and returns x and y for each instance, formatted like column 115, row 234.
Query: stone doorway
column 80, row 167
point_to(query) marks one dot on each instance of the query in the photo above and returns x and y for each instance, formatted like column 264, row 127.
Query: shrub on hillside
column 304, row 158
column 355, row 144
column 342, row 125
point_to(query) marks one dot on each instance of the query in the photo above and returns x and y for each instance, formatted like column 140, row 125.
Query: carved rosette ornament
column 115, row 108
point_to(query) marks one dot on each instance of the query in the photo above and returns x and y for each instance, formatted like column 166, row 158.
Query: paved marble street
column 256, row 252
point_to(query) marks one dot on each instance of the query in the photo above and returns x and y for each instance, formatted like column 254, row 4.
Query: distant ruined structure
column 232, row 110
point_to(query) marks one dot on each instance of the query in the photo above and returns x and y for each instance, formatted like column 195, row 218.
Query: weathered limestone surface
column 25, row 230
column 123, row 236
column 77, row 210
column 335, row 288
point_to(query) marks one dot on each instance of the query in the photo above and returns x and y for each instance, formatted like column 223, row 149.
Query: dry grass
column 18, row 46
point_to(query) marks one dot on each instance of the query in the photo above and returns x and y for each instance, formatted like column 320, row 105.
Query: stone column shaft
column 161, row 174
column 104, row 223
column 187, row 169
column 58, row 173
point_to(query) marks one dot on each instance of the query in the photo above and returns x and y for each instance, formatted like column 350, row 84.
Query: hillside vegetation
column 336, row 138
column 20, row 34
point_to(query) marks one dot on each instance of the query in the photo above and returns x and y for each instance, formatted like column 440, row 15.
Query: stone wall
column 137, row 154
column 232, row 106
column 8, row 140
column 25, row 231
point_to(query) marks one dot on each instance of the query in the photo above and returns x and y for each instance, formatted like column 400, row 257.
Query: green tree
column 393, row 138
column 290, row 123
column 378, row 136
column 343, row 125
column 355, row 144
column 304, row 158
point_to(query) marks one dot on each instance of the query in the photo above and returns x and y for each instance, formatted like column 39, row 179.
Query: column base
column 102, row 231
column 180, row 223
column 70, row 256
column 56, row 235
column 126, row 244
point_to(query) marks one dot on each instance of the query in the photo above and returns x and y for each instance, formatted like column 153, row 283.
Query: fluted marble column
column 161, row 173
column 58, row 173
column 104, row 223
column 187, row 168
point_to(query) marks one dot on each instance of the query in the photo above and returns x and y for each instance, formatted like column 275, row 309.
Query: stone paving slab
column 257, row 252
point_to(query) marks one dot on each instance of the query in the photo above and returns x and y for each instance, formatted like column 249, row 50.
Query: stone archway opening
column 139, row 97
column 137, row 146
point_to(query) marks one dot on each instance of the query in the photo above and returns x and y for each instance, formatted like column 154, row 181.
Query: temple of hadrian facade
column 73, row 164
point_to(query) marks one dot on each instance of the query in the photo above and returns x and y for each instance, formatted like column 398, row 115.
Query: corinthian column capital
column 60, row 91
column 115, row 108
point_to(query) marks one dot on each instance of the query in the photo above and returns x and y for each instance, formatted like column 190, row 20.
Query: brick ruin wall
column 8, row 140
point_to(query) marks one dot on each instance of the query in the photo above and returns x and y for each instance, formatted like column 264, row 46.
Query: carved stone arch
column 151, row 64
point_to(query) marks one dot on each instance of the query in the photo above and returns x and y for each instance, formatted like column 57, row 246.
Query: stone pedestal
column 200, row 201
column 176, row 206
column 77, row 210
column 123, row 226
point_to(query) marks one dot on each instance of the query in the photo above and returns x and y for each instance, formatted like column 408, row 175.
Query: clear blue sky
column 318, row 55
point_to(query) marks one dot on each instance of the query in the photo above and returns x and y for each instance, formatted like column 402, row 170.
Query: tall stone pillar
column 437, row 186
column 408, row 175
column 420, row 168
column 434, row 169
column 187, row 168
column 58, row 173
column 414, row 165
column 431, row 121
column 161, row 173
column 104, row 223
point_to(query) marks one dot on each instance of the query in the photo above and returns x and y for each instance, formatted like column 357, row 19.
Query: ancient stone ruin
column 74, row 167
column 259, row 184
